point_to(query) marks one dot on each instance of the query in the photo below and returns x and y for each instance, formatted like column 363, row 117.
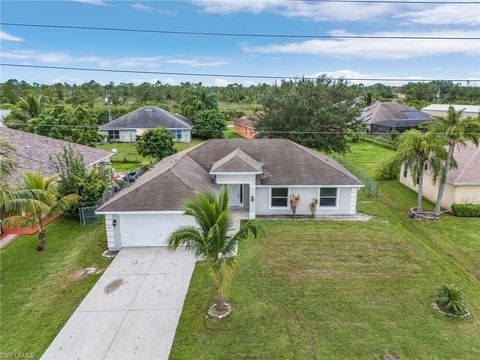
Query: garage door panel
column 150, row 229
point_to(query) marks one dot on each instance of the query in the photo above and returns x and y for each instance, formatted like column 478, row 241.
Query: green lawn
column 230, row 134
column 343, row 290
column 127, row 157
column 40, row 290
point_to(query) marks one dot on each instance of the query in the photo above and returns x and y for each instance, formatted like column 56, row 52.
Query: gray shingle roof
column 181, row 175
column 148, row 117
column 33, row 152
column 392, row 114
column 468, row 165
column 248, row 120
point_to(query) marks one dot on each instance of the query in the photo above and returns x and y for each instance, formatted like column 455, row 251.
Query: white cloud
column 142, row 7
column 353, row 74
column 444, row 14
column 52, row 57
column 170, row 81
column 93, row 2
column 312, row 10
column 197, row 62
column 64, row 79
column 221, row 82
column 377, row 48
column 4, row 36
column 325, row 11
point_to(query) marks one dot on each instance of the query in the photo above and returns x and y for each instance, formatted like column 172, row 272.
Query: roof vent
column 148, row 109
column 28, row 146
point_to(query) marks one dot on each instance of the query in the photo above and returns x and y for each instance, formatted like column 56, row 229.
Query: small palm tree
column 415, row 151
column 32, row 105
column 212, row 238
column 454, row 130
column 449, row 298
column 44, row 204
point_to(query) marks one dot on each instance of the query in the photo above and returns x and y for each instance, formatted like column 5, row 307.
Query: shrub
column 208, row 124
column 157, row 143
column 388, row 169
column 450, row 300
column 466, row 210
column 386, row 143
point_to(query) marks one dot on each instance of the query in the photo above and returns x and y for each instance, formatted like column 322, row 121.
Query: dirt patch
column 113, row 286
column 83, row 273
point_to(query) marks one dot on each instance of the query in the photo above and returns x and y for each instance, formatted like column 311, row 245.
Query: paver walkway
column 132, row 311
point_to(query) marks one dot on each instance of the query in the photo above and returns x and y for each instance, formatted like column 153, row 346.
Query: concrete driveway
column 132, row 311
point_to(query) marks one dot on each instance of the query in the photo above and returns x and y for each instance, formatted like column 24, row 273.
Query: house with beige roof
column 463, row 183
column 261, row 175
column 472, row 111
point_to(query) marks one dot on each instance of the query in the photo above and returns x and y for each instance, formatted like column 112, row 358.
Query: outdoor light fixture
column 114, row 222
column 252, row 199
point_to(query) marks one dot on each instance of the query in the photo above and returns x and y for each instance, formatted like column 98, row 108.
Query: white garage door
column 150, row 229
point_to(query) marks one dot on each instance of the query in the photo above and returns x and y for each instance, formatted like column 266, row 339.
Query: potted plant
column 313, row 206
column 294, row 199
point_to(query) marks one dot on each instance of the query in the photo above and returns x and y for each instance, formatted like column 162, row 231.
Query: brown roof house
column 245, row 125
column 260, row 173
column 383, row 117
column 463, row 183
column 33, row 153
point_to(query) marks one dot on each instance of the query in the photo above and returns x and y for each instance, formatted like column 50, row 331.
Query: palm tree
column 32, row 105
column 212, row 238
column 45, row 204
column 200, row 100
column 454, row 130
column 416, row 150
column 7, row 163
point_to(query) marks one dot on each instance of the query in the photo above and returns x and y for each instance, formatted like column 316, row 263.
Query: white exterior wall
column 346, row 201
column 143, row 228
column 131, row 135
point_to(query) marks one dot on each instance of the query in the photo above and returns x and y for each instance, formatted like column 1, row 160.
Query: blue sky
column 267, row 56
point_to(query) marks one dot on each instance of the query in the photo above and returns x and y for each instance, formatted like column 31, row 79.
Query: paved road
column 133, row 310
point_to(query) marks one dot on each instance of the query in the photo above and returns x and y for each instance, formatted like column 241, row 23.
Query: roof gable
column 237, row 161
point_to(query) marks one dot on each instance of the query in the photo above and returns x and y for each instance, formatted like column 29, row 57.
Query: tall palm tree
column 455, row 130
column 32, row 105
column 45, row 205
column 416, row 150
column 212, row 238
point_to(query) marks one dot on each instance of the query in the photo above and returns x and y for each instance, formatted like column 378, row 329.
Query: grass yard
column 230, row 134
column 343, row 290
column 40, row 290
column 127, row 157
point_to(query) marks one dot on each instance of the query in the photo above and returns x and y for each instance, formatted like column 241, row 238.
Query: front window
column 279, row 197
column 113, row 134
column 177, row 134
column 328, row 197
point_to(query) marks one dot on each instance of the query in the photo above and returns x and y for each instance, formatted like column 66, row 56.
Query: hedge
column 466, row 210
column 386, row 143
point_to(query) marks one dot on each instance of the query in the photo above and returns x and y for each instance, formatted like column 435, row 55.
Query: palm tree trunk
column 443, row 179
column 420, row 191
column 220, row 302
column 41, row 240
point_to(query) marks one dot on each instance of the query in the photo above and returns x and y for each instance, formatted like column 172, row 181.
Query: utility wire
column 233, row 34
column 243, row 76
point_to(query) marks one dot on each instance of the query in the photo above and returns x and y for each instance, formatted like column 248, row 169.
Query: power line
column 233, row 34
column 206, row 130
column 243, row 76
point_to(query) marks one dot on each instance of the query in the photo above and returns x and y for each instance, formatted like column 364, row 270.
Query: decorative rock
column 109, row 254
column 436, row 307
column 215, row 315
column 89, row 270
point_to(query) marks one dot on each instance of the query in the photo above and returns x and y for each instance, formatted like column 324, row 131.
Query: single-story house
column 33, row 153
column 463, row 183
column 126, row 128
column 383, row 117
column 261, row 174
column 442, row 110
column 244, row 126
column 3, row 114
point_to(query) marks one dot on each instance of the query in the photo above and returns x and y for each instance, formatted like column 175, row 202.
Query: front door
column 236, row 194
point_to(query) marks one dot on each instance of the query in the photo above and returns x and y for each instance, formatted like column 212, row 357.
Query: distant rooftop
column 444, row 107
column 392, row 114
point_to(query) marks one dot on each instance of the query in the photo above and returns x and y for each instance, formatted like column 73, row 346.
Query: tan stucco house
column 463, row 183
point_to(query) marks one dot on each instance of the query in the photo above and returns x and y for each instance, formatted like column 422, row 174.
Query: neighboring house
column 126, row 128
column 3, row 114
column 442, row 110
column 463, row 183
column 244, row 126
column 383, row 117
column 261, row 175
column 33, row 153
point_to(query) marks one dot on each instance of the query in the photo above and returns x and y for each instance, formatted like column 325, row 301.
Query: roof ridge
column 174, row 117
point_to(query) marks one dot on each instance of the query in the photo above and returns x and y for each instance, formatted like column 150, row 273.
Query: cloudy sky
column 364, row 58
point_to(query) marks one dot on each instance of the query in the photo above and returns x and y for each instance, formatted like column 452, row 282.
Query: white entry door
column 236, row 194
